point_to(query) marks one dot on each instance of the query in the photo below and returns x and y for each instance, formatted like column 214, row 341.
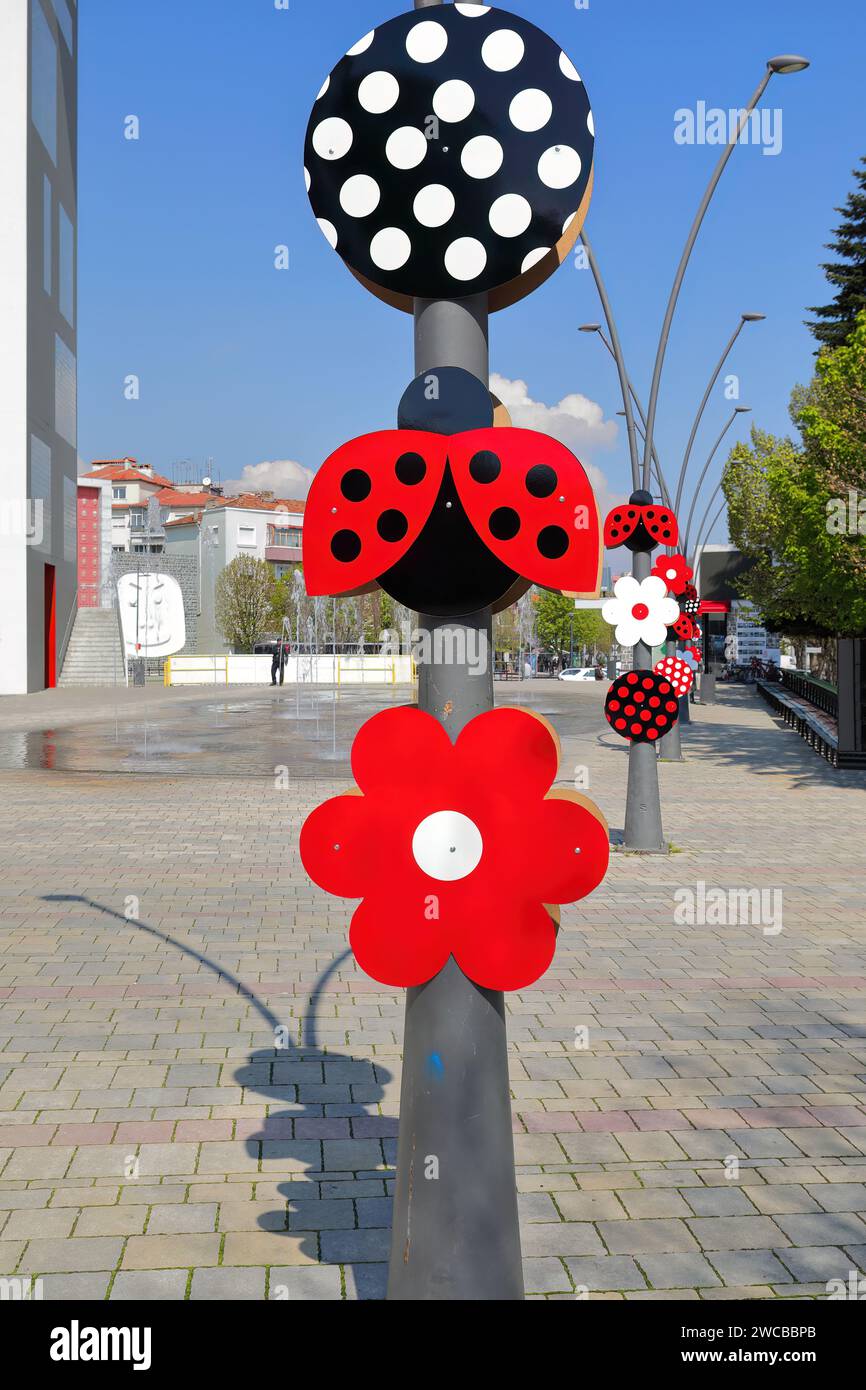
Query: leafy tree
column 555, row 615
column 244, row 602
column 790, row 507
column 848, row 274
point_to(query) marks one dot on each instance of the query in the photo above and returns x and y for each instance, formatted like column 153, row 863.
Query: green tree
column 244, row 602
column 789, row 507
column 555, row 615
column 848, row 274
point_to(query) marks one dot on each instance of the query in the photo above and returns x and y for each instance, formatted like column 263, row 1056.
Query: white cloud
column 282, row 477
column 576, row 421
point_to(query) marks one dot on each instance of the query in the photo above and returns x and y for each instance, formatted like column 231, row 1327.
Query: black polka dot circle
column 641, row 706
column 450, row 153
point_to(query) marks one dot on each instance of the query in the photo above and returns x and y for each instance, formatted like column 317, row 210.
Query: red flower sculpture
column 674, row 571
column 456, row 848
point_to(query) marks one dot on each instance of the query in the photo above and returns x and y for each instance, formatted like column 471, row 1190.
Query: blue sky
column 247, row 364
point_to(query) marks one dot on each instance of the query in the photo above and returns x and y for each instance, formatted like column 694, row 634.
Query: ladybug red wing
column 683, row 627
column 620, row 524
column 661, row 524
column 367, row 505
column 530, row 501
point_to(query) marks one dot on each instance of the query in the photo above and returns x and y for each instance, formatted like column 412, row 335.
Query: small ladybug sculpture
column 641, row 525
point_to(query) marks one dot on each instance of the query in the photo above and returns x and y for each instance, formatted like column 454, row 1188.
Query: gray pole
column 681, row 269
column 616, row 349
column 643, row 815
column 455, row 1233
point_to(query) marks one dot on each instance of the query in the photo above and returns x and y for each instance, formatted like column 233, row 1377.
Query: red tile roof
column 169, row 497
column 250, row 502
column 121, row 473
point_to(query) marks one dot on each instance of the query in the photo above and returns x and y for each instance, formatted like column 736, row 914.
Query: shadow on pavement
column 313, row 1071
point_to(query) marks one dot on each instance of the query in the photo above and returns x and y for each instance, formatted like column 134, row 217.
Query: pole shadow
column 301, row 1074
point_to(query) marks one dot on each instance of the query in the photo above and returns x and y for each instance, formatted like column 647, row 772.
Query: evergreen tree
column 836, row 320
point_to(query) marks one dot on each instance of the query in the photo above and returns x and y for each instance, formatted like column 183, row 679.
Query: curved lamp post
column 783, row 64
column 616, row 352
column 744, row 319
column 738, row 410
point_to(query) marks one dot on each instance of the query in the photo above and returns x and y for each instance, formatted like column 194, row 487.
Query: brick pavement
column 154, row 1142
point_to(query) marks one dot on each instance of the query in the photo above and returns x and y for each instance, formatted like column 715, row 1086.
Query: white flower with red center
column 640, row 611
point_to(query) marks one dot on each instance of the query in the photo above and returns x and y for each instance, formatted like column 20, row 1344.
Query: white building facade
column 38, row 341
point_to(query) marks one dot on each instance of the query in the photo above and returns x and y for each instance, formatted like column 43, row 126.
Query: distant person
column 278, row 662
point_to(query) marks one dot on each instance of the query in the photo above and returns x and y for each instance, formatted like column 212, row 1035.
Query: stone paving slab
column 709, row 1141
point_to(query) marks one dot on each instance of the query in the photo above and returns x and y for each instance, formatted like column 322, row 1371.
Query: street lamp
column 786, row 63
column 597, row 328
column 744, row 319
column 738, row 410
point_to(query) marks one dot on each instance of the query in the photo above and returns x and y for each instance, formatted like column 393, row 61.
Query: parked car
column 578, row 673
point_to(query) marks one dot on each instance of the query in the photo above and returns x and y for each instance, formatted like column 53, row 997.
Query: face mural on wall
column 151, row 614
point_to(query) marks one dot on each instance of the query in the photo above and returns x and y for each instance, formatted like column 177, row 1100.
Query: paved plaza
column 688, row 1081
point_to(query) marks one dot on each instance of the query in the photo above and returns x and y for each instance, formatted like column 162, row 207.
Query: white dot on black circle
column 510, row 215
column 434, row 205
column 531, row 109
column 378, row 92
column 360, row 195
column 362, row 45
column 427, row 41
column 559, row 167
column 503, row 50
column 332, row 138
column 465, row 258
column 453, row 101
column 406, row 147
column 390, row 249
column 482, row 157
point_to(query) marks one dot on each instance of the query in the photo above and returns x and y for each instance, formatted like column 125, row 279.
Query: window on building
column 64, row 22
column 40, row 492
column 246, row 535
column 65, row 408
column 47, row 244
column 118, row 493
column 288, row 535
column 137, row 518
column 70, row 519
column 43, row 79
column 66, row 265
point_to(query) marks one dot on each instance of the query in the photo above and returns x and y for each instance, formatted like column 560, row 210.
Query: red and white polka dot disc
column 678, row 672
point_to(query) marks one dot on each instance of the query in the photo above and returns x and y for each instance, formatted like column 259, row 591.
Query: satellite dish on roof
column 206, row 482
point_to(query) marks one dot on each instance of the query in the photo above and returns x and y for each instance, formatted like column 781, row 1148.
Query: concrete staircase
column 94, row 655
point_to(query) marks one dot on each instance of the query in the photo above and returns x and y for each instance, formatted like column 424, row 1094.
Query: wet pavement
column 248, row 732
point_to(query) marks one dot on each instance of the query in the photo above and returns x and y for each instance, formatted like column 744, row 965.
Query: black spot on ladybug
column 666, row 534
column 631, row 516
column 346, row 546
column 553, row 542
column 504, row 524
column 540, row 480
column 485, row 467
column 392, row 525
column 617, row 516
column 356, row 485
column 410, row 469
column 650, row 514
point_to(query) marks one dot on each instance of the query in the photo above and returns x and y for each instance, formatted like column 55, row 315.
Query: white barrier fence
column 303, row 670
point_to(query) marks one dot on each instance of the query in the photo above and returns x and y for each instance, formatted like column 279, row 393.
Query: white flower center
column 447, row 846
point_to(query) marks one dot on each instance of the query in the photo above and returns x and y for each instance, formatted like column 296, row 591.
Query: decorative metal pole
column 455, row 1235
column 453, row 517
